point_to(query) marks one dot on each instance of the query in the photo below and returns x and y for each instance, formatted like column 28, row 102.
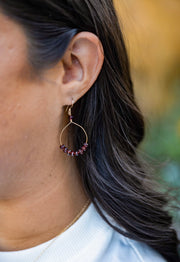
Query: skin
column 40, row 188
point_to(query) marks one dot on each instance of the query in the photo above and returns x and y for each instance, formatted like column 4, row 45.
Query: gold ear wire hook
column 69, row 108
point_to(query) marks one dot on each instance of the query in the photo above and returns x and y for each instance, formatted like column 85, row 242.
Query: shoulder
column 128, row 250
column 124, row 249
column 135, row 251
column 118, row 248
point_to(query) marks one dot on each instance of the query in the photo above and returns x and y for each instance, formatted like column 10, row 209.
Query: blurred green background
column 152, row 36
column 162, row 144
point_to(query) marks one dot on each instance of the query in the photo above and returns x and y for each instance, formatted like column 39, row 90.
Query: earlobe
column 82, row 63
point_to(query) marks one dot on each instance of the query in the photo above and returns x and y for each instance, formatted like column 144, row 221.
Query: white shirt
column 89, row 239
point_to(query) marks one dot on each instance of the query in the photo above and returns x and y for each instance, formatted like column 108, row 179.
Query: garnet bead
column 65, row 150
column 81, row 151
column 83, row 148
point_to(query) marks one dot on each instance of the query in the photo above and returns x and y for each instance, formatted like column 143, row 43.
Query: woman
column 66, row 84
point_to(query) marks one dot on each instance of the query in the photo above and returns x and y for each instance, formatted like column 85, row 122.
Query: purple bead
column 83, row 148
column 65, row 150
column 81, row 151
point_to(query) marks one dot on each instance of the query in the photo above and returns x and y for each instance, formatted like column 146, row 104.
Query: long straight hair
column 111, row 170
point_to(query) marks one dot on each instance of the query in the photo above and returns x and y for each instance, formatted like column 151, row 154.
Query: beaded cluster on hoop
column 70, row 152
column 74, row 153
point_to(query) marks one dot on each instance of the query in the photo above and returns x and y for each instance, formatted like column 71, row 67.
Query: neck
column 39, row 215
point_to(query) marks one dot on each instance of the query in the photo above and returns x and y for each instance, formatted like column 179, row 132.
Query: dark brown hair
column 111, row 171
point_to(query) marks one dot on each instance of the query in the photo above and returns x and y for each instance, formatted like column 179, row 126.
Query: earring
column 63, row 147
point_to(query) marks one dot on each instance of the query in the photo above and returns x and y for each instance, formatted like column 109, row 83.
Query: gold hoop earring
column 63, row 147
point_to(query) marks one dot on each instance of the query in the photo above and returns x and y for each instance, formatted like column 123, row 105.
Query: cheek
column 13, row 52
column 20, row 120
column 17, row 118
column 23, row 137
column 25, row 111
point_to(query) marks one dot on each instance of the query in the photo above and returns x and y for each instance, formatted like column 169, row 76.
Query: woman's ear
column 81, row 65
